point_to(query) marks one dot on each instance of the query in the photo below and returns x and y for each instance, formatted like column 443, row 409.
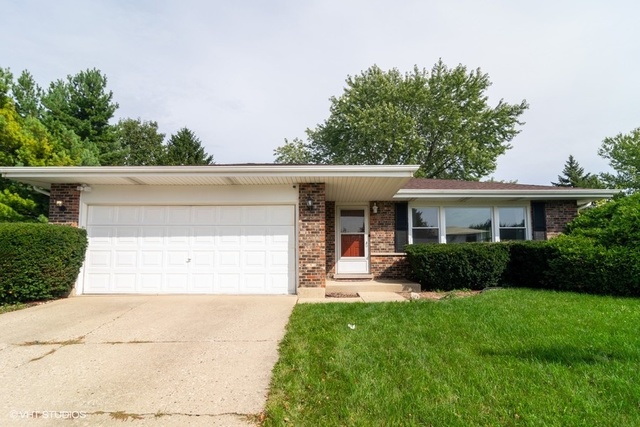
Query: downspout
column 41, row 191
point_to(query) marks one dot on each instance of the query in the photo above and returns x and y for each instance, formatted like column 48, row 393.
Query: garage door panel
column 154, row 215
column 229, row 259
column 124, row 282
column 150, row 282
column 151, row 259
column 125, row 259
column 228, row 283
column 126, row 235
column 101, row 215
column 128, row 215
column 178, row 235
column 177, row 282
column 190, row 249
column 178, row 215
column 204, row 215
column 99, row 258
column 152, row 236
column 255, row 259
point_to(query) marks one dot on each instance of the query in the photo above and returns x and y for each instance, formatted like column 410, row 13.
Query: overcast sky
column 244, row 75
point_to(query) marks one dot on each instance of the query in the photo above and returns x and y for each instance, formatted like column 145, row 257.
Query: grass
column 502, row 358
column 6, row 308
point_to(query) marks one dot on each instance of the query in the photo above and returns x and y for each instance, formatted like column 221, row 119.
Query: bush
column 616, row 222
column 582, row 265
column 39, row 261
column 455, row 266
column 528, row 263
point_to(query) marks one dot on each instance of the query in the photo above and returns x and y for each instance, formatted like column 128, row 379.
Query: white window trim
column 495, row 224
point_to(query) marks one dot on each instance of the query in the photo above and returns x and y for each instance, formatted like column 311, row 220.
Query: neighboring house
column 279, row 229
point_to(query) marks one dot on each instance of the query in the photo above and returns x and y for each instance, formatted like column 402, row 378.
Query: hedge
column 467, row 265
column 582, row 265
column 529, row 263
column 39, row 261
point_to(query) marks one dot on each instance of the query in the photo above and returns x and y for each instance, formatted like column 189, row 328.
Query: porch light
column 374, row 208
column 61, row 206
column 309, row 203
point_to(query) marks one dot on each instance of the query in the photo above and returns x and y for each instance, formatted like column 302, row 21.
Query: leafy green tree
column 27, row 95
column 623, row 153
column 293, row 152
column 440, row 120
column 83, row 104
column 142, row 142
column 185, row 149
column 573, row 175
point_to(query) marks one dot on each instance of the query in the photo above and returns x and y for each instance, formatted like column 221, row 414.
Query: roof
column 455, row 190
column 343, row 183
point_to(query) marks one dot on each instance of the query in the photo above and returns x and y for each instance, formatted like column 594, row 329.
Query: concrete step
column 371, row 286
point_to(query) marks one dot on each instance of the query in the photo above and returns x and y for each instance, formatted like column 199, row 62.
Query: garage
column 150, row 249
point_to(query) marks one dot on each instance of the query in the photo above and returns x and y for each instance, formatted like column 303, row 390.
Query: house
column 279, row 229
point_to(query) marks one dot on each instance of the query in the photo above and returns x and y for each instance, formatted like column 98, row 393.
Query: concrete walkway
column 145, row 360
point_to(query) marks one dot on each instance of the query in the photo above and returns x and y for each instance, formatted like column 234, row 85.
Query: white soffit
column 345, row 183
column 580, row 195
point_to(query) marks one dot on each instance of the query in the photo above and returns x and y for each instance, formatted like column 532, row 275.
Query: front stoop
column 380, row 285
column 311, row 292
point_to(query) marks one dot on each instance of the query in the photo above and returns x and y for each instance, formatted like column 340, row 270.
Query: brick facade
column 330, row 237
column 312, row 238
column 69, row 210
column 385, row 262
column 558, row 213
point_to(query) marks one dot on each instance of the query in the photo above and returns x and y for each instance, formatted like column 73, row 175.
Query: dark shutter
column 539, row 220
column 402, row 226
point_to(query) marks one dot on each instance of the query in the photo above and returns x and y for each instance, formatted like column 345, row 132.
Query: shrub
column 39, row 261
column 454, row 266
column 528, row 263
column 616, row 222
column 582, row 265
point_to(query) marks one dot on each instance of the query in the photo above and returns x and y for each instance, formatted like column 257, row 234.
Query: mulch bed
column 341, row 295
column 440, row 295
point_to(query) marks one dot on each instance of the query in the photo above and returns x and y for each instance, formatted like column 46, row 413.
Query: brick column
column 69, row 210
column 558, row 214
column 311, row 239
column 385, row 262
column 330, row 237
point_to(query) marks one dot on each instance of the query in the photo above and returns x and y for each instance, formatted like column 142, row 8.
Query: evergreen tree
column 573, row 175
column 184, row 149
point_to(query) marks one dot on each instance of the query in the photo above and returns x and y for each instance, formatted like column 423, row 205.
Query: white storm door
column 352, row 240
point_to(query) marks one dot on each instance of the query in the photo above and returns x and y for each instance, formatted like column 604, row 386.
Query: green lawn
column 504, row 357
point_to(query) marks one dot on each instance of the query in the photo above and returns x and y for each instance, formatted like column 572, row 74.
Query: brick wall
column 558, row 213
column 69, row 212
column 330, row 237
column 385, row 262
column 312, row 238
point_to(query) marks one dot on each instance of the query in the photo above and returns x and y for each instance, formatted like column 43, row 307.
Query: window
column 512, row 224
column 425, row 225
column 468, row 224
column 459, row 224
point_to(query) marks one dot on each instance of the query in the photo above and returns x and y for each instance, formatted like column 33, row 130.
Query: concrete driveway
column 145, row 360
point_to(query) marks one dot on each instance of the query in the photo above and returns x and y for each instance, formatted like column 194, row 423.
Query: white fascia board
column 575, row 194
column 79, row 172
column 313, row 170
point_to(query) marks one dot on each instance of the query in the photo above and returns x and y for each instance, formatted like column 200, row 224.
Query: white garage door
column 190, row 249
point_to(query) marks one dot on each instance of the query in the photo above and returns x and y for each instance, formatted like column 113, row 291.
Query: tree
column 623, row 153
column 83, row 105
column 573, row 176
column 143, row 144
column 184, row 148
column 293, row 152
column 27, row 95
column 440, row 120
